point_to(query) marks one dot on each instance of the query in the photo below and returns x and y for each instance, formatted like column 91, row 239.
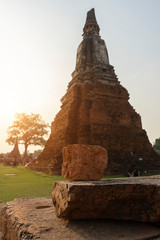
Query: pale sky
column 38, row 44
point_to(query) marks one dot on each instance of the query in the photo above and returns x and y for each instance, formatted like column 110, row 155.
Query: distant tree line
column 156, row 145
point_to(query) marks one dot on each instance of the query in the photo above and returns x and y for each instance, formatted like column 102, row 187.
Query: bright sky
column 38, row 44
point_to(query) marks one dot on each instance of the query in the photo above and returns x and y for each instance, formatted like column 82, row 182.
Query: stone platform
column 34, row 218
column 136, row 199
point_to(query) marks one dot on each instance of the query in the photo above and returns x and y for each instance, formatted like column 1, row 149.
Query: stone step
column 134, row 198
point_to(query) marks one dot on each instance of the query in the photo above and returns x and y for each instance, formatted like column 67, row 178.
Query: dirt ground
column 36, row 217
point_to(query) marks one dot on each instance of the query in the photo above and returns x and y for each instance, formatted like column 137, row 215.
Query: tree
column 27, row 129
column 156, row 145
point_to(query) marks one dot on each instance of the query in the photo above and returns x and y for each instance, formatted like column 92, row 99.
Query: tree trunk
column 25, row 151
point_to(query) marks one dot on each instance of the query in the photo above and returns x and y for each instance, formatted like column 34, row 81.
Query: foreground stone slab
column 84, row 162
column 34, row 218
column 124, row 199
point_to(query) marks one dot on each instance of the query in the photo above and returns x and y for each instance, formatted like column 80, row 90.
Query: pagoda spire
column 95, row 111
column 91, row 26
column 15, row 152
column 92, row 51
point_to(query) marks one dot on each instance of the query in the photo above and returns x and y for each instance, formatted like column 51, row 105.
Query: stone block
column 84, row 162
column 135, row 198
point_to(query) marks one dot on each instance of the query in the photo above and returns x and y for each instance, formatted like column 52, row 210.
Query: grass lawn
column 20, row 182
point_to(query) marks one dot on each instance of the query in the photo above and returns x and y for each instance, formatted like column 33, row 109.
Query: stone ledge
column 34, row 218
column 134, row 199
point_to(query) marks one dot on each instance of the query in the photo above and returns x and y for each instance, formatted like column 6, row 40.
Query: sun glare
column 9, row 104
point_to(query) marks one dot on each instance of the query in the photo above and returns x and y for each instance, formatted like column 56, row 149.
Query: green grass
column 24, row 183
column 27, row 183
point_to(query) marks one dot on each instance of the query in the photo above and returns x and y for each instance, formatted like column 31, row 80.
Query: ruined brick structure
column 95, row 110
column 15, row 152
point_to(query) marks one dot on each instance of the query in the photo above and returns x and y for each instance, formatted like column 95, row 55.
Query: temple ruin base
column 34, row 218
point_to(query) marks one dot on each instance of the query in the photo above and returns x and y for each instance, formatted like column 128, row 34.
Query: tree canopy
column 156, row 145
column 27, row 129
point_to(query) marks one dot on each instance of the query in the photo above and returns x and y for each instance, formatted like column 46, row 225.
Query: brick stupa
column 95, row 110
column 15, row 152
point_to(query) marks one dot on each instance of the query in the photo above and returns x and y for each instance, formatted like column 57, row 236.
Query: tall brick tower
column 95, row 110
